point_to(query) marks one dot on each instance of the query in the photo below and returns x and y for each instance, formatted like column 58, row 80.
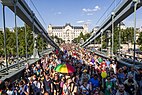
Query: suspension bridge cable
column 38, row 12
column 105, row 12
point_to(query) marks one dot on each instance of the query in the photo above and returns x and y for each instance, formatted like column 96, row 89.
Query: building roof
column 67, row 24
column 57, row 27
column 78, row 27
column 97, row 27
column 121, row 23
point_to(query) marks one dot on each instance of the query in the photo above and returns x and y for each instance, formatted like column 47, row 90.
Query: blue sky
column 76, row 12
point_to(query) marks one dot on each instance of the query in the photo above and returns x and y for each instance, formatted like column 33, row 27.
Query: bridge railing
column 13, row 73
column 14, row 65
column 12, row 60
column 120, row 60
column 21, row 61
column 129, row 57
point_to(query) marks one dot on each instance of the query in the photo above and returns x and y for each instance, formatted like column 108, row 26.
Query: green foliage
column 1, row 43
column 81, row 35
column 140, row 40
column 59, row 40
column 126, row 37
column 11, row 41
column 98, row 40
column 116, row 40
column 85, row 37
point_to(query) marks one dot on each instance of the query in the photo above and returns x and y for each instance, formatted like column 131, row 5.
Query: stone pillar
column 35, row 50
column 81, row 41
column 48, row 46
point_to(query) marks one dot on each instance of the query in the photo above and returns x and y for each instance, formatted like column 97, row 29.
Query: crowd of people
column 93, row 75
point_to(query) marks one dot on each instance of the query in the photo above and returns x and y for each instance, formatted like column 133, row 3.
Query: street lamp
column 112, row 15
column 101, row 40
column 42, row 44
column 135, row 6
column 26, row 41
column 119, row 25
column 109, row 43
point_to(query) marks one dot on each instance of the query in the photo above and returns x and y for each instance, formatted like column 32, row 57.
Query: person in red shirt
column 103, row 66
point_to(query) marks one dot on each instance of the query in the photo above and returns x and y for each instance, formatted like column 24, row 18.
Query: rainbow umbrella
column 64, row 68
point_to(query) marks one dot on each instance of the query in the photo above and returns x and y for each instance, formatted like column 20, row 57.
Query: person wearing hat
column 84, row 75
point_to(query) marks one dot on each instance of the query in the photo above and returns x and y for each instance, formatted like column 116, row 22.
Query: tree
column 11, row 41
column 126, row 37
column 59, row 40
column 85, row 37
column 1, row 43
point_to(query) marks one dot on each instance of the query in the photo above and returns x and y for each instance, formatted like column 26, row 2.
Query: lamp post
column 42, row 44
column 119, row 36
column 135, row 6
column 109, row 43
column 26, row 41
column 113, row 14
column 101, row 40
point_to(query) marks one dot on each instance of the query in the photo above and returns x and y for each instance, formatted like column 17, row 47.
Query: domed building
column 67, row 32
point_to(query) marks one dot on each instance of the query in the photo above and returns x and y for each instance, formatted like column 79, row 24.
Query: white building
column 67, row 32
column 122, row 26
column 95, row 29
column 10, row 29
column 140, row 29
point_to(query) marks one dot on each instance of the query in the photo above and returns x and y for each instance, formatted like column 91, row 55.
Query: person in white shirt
column 85, row 88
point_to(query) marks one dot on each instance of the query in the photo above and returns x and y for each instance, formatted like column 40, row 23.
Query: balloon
column 104, row 74
column 92, row 60
column 65, row 51
column 100, row 60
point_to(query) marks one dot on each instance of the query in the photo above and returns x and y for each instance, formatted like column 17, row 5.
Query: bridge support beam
column 4, row 31
column 17, row 41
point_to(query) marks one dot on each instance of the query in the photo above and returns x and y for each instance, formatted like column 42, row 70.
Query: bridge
column 21, row 9
column 125, row 9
